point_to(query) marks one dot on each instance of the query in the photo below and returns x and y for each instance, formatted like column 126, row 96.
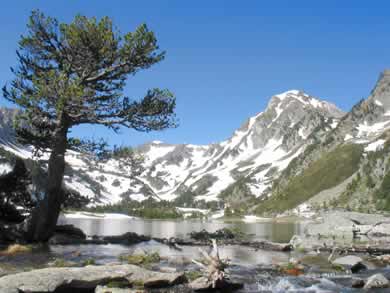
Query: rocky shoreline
column 331, row 261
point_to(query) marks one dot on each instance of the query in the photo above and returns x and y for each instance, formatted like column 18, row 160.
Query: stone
column 377, row 281
column 168, row 270
column 204, row 284
column 179, row 261
column 176, row 289
column 86, row 278
column 385, row 259
column 67, row 234
column 126, row 239
column 351, row 262
column 357, row 283
column 105, row 289
column 139, row 251
column 296, row 241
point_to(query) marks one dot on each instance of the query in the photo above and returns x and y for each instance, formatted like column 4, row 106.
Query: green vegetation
column 383, row 194
column 140, row 259
column 328, row 171
column 153, row 209
column 193, row 275
column 89, row 262
column 62, row 263
column 149, row 208
column 118, row 284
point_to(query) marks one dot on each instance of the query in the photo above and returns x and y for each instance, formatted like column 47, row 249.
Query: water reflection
column 273, row 231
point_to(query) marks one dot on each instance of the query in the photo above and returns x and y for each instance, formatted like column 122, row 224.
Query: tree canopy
column 75, row 74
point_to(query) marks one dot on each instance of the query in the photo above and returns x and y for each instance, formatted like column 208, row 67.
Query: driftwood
column 214, row 268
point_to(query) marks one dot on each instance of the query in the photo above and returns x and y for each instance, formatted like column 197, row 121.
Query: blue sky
column 225, row 59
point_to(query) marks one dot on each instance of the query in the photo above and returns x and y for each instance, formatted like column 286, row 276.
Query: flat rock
column 50, row 279
column 352, row 262
column 105, row 289
column 176, row 289
column 377, row 281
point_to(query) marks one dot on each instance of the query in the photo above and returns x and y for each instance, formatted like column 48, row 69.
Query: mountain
column 255, row 153
column 348, row 168
column 299, row 154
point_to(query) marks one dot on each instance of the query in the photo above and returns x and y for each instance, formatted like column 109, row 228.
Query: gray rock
column 352, row 262
column 168, row 270
column 377, row 281
column 296, row 241
column 126, row 239
column 139, row 251
column 179, row 261
column 67, row 234
column 105, row 289
column 204, row 284
column 48, row 280
column 357, row 283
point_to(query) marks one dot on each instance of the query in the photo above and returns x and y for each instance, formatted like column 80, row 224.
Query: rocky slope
column 347, row 168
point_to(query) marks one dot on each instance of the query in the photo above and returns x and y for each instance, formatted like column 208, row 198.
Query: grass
column 62, row 263
column 193, row 275
column 89, row 262
column 328, row 171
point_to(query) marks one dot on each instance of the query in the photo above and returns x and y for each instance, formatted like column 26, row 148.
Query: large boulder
column 351, row 262
column 377, row 281
column 68, row 234
column 86, row 278
column 126, row 239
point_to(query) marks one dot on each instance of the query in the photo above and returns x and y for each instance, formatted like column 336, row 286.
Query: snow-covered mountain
column 348, row 168
column 256, row 153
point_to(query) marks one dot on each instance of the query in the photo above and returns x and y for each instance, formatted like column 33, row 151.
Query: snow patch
column 365, row 129
column 253, row 219
column 375, row 146
column 378, row 103
column 86, row 215
column 348, row 137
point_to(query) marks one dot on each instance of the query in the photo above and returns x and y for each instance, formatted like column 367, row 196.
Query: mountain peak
column 381, row 92
column 282, row 100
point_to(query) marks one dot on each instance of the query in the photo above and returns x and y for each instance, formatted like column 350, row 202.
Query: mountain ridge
column 257, row 165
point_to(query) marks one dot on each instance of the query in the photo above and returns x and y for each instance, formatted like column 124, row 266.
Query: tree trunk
column 44, row 217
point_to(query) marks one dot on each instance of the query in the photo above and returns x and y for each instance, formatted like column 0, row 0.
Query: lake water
column 248, row 265
column 270, row 230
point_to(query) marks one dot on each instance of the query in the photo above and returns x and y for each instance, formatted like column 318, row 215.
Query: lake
column 260, row 230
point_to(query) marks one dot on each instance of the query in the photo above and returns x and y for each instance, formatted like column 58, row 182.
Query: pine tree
column 73, row 74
